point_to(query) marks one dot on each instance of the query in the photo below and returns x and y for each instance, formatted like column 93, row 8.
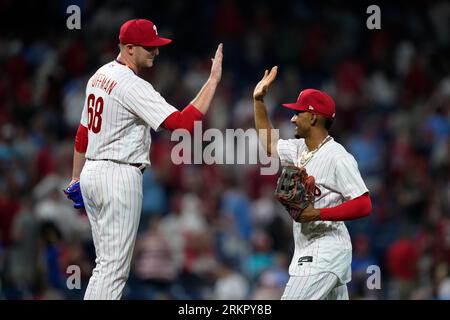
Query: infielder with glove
column 320, row 187
column 119, row 111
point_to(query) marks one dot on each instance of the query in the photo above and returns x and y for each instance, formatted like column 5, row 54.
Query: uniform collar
column 120, row 62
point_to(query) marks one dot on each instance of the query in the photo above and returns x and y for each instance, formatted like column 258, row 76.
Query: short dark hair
column 328, row 123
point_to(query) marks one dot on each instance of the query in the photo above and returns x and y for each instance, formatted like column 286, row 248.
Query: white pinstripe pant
column 112, row 195
column 322, row 286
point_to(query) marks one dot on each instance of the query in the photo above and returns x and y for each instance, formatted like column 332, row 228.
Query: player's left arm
column 352, row 187
column 184, row 119
column 198, row 107
column 204, row 97
column 349, row 210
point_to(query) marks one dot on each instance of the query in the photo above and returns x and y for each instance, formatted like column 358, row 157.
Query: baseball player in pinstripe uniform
column 112, row 149
column 321, row 264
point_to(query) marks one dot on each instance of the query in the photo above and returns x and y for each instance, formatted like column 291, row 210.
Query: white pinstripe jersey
column 327, row 242
column 119, row 110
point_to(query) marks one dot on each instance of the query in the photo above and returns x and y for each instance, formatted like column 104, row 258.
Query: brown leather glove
column 296, row 190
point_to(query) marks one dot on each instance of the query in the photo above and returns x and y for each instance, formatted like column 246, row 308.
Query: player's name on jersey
column 100, row 80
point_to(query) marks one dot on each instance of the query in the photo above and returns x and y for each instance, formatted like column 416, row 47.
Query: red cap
column 141, row 32
column 314, row 101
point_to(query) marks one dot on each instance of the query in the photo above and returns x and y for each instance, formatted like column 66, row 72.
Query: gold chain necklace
column 306, row 156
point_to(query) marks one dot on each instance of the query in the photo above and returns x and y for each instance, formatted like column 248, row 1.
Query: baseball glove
column 73, row 192
column 296, row 190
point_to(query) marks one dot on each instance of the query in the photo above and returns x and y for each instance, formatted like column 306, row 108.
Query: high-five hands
column 216, row 68
column 262, row 86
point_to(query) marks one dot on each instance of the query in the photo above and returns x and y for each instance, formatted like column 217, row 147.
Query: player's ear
column 130, row 49
column 314, row 119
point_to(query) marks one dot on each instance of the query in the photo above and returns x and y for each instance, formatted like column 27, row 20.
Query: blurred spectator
column 52, row 206
column 229, row 284
column 261, row 257
column 362, row 259
column 272, row 281
column 402, row 259
column 22, row 264
column 154, row 199
column 153, row 264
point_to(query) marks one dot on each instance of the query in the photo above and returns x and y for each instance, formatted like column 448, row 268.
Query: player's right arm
column 267, row 135
column 79, row 151
column 78, row 164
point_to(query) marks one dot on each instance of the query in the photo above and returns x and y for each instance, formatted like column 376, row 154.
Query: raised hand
column 262, row 86
column 216, row 68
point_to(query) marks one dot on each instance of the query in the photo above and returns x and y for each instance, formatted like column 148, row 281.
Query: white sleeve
column 348, row 178
column 148, row 104
column 287, row 151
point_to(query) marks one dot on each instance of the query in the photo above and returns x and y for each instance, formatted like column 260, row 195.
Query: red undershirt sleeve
column 184, row 119
column 349, row 210
column 81, row 139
